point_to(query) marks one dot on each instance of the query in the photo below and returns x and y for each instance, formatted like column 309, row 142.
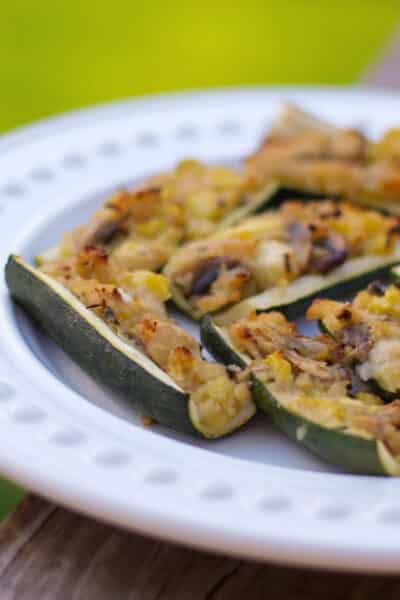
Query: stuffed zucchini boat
column 141, row 228
column 311, row 155
column 114, row 325
column 367, row 331
column 310, row 395
column 282, row 259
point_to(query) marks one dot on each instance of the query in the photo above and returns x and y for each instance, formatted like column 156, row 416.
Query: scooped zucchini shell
column 294, row 298
column 103, row 354
column 352, row 452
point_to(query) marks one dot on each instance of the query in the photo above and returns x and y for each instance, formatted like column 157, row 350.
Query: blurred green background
column 61, row 55
column 56, row 56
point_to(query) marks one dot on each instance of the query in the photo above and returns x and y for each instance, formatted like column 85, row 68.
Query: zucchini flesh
column 294, row 298
column 353, row 452
column 257, row 202
column 106, row 356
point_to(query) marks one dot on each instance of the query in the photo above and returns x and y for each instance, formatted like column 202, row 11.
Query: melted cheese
column 383, row 364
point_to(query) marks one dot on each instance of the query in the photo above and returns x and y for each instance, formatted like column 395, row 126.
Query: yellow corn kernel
column 66, row 248
column 369, row 399
column 243, row 235
column 157, row 284
column 338, row 412
column 281, row 368
column 216, row 402
column 377, row 244
column 151, row 228
column 389, row 304
column 223, row 177
column 203, row 204
column 388, row 146
column 175, row 213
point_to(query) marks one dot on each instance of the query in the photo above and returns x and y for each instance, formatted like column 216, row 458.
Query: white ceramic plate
column 253, row 494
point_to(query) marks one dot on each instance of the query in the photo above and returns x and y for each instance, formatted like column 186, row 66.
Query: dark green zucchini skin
column 353, row 453
column 94, row 353
column 217, row 345
column 283, row 194
column 349, row 452
column 286, row 193
column 275, row 195
column 298, row 308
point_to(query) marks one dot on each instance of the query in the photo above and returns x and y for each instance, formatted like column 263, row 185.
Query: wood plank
column 51, row 553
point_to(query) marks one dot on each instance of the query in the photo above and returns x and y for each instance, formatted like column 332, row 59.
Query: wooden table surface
column 47, row 552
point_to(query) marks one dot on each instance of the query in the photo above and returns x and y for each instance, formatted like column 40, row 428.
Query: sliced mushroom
column 328, row 253
column 208, row 272
column 104, row 233
column 356, row 342
column 377, row 288
column 301, row 243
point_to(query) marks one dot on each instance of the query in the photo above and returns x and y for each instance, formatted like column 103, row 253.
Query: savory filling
column 140, row 229
column 367, row 331
column 276, row 248
column 304, row 153
column 307, row 377
column 132, row 304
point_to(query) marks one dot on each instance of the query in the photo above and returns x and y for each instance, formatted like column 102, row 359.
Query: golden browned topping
column 93, row 278
column 367, row 331
column 276, row 248
column 132, row 304
column 307, row 376
column 140, row 229
column 260, row 336
column 304, row 153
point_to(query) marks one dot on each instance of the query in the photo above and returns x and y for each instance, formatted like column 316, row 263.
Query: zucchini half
column 294, row 298
column 291, row 121
column 106, row 356
column 257, row 202
column 353, row 452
